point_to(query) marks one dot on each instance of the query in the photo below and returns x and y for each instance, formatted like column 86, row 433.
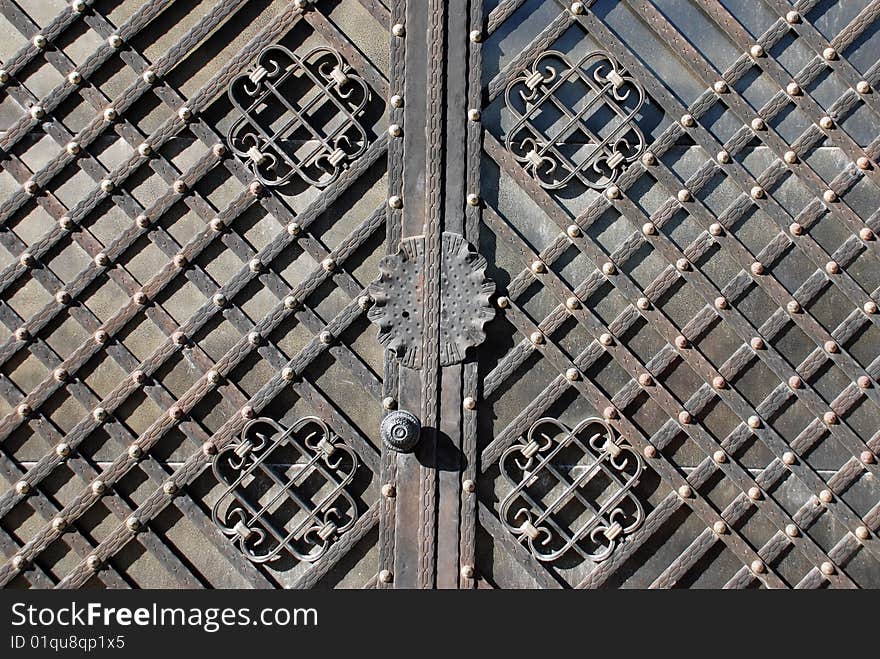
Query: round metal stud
column 219, row 150
column 754, row 422
column 115, row 41
column 386, row 576
column 754, row 493
column 862, row 532
column 796, row 229
column 756, row 50
column 608, row 269
column 789, row 458
column 649, row 229
column 476, row 36
column 793, row 89
column 37, row 112
column 721, row 303
column 389, row 403
column 291, row 303
column 866, row 457
column 826, row 123
column 144, row 149
column 255, row 265
column 247, row 412
column 681, row 342
column 720, row 87
column 328, row 264
column 98, row 488
column 825, row 496
column 133, row 524
column 107, row 185
column 650, row 451
column 830, row 196
column 719, row 382
column 572, row 303
column 138, row 377
column 829, row 54
column 61, row 374
column 219, row 300
column 179, row 338
column 294, row 228
column 503, row 302
column 758, row 567
column 723, row 157
column 719, row 528
column 288, row 374
column 645, row 380
column 537, row 338
column 716, row 229
column 606, row 339
column 325, row 337
column 790, row 157
column 866, row 234
column 757, row 268
column 688, row 121
column 474, row 114
column 832, row 268
column 179, row 260
column 609, row 413
column 213, row 376
column 179, row 186
column 135, row 452
column 149, row 76
column 684, row 195
column 793, row 306
column 170, row 488
column 757, row 192
column 683, row 265
column 757, row 343
column 142, row 221
column 864, row 382
column 573, row 231
column 870, row 307
column 572, row 374
column 473, row 199
column 101, row 337
column 110, row 114
column 719, row 457
column 396, row 101
column 62, row 450
column 93, row 563
column 827, row 568
column 792, row 17
column 830, row 418
column 643, row 303
column 365, row 302
column 388, row 491
column 795, row 382
column 99, row 414
column 22, row 334
column 831, row 347
column 469, row 486
column 22, row 488
column 4, row 76
column 395, row 130
column 255, row 188
column 685, row 492
column 254, row 338
column 758, row 124
column 398, row 30
column 469, row 403
column 74, row 77
column 792, row 531
column 612, row 192
column 184, row 113
column 395, row 202
column 863, row 87
column 685, row 417
column 40, row 41
column 649, row 159
column 577, row 8
column 59, row 524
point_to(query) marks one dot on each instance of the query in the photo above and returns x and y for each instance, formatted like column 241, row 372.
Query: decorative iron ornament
column 575, row 120
column 285, row 490
column 588, row 483
column 464, row 307
column 298, row 116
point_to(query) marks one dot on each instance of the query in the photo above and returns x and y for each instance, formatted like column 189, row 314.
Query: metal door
column 356, row 293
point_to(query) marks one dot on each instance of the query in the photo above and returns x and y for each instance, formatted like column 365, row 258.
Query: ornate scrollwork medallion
column 298, row 116
column 464, row 305
column 285, row 490
column 575, row 121
column 572, row 490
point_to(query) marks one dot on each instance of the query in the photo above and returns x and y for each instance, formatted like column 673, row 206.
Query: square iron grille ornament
column 575, row 121
column 298, row 116
column 572, row 490
column 285, row 490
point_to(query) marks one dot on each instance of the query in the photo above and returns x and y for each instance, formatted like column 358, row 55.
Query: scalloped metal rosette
column 464, row 308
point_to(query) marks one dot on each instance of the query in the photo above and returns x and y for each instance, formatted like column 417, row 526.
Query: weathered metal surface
column 710, row 291
column 399, row 295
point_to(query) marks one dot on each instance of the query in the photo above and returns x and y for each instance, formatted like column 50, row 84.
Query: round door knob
column 400, row 431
